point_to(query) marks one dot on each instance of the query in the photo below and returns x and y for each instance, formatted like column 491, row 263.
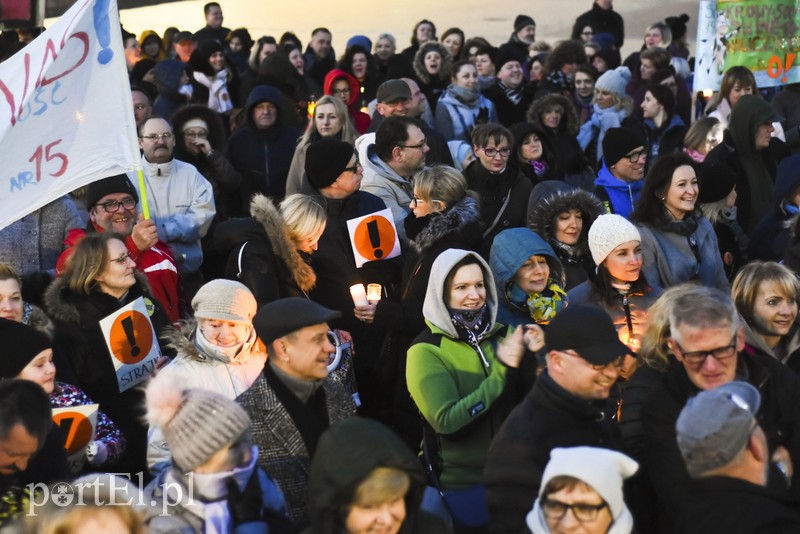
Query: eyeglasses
column 583, row 512
column 636, row 156
column 153, row 137
column 416, row 200
column 122, row 259
column 697, row 358
column 419, row 146
column 338, row 92
column 196, row 135
column 112, row 206
column 492, row 152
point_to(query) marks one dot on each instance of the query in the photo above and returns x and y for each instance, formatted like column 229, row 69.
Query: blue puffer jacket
column 510, row 249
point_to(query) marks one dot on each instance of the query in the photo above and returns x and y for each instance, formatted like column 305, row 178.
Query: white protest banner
column 66, row 114
column 373, row 237
column 77, row 424
column 132, row 342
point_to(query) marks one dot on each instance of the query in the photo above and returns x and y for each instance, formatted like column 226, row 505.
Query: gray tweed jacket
column 282, row 453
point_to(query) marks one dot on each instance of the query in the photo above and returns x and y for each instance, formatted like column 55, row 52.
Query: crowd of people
column 589, row 321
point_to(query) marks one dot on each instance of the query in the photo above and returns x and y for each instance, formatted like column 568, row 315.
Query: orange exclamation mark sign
column 127, row 326
column 789, row 60
column 375, row 238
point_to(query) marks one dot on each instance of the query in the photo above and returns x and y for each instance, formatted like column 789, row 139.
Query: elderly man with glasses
column 708, row 345
column 568, row 407
column 181, row 200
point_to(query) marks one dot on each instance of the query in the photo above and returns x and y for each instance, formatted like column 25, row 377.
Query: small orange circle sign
column 131, row 337
column 77, row 430
column 374, row 238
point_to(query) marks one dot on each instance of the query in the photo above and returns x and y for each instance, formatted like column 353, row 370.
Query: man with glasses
column 503, row 190
column 708, row 344
column 391, row 162
column 568, row 407
column 620, row 179
column 112, row 205
column 181, row 200
column 726, row 454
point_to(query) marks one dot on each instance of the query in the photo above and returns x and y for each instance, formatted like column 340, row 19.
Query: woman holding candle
column 619, row 287
column 466, row 371
column 444, row 214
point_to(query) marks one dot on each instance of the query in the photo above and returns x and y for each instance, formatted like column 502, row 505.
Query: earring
column 663, row 199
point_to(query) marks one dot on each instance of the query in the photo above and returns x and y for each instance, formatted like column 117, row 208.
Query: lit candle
column 359, row 295
column 373, row 293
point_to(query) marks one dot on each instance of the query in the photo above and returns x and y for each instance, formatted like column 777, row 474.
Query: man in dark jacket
column 602, row 19
column 771, row 235
column 509, row 93
column 291, row 403
column 708, row 345
column 524, row 35
column 319, row 56
column 567, row 407
column 727, row 456
column 262, row 150
column 213, row 30
column 334, row 175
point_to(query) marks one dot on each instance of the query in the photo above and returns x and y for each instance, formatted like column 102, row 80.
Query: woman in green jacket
column 465, row 371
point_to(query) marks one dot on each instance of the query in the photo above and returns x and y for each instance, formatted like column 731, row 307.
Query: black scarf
column 472, row 325
column 686, row 227
column 513, row 95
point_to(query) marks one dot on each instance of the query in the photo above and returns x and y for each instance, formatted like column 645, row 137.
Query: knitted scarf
column 466, row 96
column 513, row 95
column 218, row 98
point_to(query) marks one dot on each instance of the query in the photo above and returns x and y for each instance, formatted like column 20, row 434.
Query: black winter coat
column 547, row 418
column 77, row 320
column 734, row 506
column 661, row 461
column 509, row 113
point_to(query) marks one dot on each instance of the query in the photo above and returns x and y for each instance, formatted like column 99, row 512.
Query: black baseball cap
column 589, row 331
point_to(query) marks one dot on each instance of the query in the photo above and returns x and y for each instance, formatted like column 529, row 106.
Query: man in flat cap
column 567, row 407
column 726, row 454
column 291, row 403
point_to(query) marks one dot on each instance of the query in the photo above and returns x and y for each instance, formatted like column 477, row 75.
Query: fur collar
column 463, row 214
column 542, row 216
column 569, row 121
column 59, row 305
column 267, row 215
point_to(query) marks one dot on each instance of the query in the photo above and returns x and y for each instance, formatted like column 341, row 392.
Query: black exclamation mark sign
column 127, row 325
column 374, row 238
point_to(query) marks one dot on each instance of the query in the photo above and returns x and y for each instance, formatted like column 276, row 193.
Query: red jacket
column 157, row 264
column 360, row 119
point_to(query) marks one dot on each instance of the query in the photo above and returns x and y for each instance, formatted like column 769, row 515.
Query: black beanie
column 664, row 95
column 502, row 57
column 113, row 184
column 326, row 160
column 21, row 343
column 716, row 182
column 618, row 142
column 677, row 26
column 521, row 21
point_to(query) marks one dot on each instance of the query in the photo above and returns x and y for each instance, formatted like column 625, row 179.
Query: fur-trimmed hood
column 36, row 317
column 569, row 120
column 462, row 216
column 265, row 213
column 62, row 310
column 542, row 214
column 444, row 69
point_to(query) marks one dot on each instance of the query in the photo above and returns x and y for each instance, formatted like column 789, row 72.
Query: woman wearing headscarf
column 752, row 155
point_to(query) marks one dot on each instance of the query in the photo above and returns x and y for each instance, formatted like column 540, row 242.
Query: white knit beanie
column 603, row 469
column 608, row 232
column 225, row 300
column 614, row 81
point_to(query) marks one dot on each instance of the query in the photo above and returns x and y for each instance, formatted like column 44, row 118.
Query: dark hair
column 320, row 29
column 738, row 74
column 469, row 259
column 589, row 70
column 606, row 293
column 457, row 67
column 650, row 207
column 483, row 133
column 662, row 74
column 243, row 35
column 658, row 56
column 414, row 41
column 663, row 96
column 487, row 50
column 346, row 62
column 460, row 33
column 24, row 402
column 209, row 6
column 288, row 37
column 480, row 42
column 566, row 52
column 393, row 131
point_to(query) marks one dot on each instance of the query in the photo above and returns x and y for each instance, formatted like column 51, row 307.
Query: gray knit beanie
column 614, row 81
column 196, row 423
column 609, row 231
column 225, row 300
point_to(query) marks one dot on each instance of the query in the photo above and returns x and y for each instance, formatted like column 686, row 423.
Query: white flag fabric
column 66, row 114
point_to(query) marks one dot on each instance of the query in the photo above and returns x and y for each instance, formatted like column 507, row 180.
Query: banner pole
column 143, row 194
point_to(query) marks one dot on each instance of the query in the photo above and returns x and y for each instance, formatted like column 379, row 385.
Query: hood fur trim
column 463, row 213
column 419, row 62
column 569, row 121
column 542, row 215
column 263, row 210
